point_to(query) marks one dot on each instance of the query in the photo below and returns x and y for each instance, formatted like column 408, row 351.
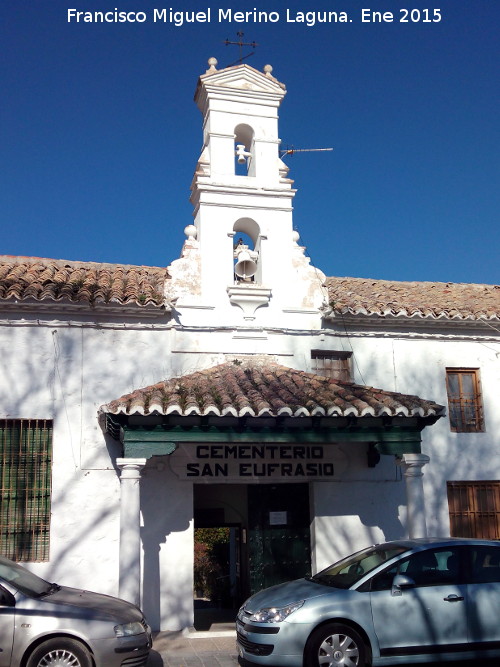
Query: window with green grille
column 25, row 478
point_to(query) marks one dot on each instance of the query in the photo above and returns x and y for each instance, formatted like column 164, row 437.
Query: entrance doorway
column 247, row 537
column 219, row 519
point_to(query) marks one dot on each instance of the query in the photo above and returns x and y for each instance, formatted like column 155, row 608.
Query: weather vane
column 241, row 44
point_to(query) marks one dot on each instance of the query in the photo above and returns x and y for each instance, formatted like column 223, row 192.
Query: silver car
column 46, row 625
column 399, row 602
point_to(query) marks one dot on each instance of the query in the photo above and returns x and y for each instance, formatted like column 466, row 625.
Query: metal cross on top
column 241, row 44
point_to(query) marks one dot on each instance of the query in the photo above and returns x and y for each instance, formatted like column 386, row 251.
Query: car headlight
column 129, row 629
column 275, row 614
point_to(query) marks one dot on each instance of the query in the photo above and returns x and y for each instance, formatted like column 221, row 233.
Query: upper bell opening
column 244, row 153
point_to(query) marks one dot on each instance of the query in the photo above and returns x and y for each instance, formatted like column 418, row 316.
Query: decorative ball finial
column 268, row 69
column 212, row 62
column 191, row 232
column 295, row 236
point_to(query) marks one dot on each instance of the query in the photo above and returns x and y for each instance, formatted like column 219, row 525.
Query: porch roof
column 266, row 389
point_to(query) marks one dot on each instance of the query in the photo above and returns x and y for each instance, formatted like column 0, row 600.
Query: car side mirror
column 400, row 582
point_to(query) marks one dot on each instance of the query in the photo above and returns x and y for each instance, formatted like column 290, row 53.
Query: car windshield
column 348, row 571
column 22, row 579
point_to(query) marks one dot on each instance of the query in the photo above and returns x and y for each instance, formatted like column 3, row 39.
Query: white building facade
column 234, row 389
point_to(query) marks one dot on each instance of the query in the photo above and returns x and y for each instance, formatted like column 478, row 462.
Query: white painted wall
column 418, row 366
column 65, row 371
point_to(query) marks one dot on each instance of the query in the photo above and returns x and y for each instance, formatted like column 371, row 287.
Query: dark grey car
column 407, row 601
column 46, row 625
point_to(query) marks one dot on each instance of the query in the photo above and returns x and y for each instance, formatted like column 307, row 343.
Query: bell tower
column 247, row 258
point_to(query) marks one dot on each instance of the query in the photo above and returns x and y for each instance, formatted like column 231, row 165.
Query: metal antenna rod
column 291, row 151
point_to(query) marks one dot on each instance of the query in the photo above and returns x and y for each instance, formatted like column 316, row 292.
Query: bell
column 241, row 153
column 245, row 267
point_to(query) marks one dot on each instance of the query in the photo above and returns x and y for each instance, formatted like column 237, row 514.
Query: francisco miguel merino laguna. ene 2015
column 221, row 15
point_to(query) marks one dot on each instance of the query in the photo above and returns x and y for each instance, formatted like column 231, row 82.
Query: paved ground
column 173, row 649
column 201, row 649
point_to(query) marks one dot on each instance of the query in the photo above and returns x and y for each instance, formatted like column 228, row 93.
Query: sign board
column 257, row 462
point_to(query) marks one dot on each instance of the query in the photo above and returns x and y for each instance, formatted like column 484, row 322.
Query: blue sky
column 100, row 135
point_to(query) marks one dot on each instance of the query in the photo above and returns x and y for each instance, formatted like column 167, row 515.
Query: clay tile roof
column 24, row 279
column 458, row 301
column 264, row 388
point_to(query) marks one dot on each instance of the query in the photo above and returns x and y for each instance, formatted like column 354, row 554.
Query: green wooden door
column 279, row 545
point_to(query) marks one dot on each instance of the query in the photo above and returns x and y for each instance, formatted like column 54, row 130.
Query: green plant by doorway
column 208, row 572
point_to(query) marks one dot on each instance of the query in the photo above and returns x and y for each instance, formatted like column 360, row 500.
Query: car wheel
column 63, row 652
column 335, row 645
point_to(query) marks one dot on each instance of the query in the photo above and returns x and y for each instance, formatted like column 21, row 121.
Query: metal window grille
column 474, row 509
column 464, row 400
column 331, row 364
column 25, row 488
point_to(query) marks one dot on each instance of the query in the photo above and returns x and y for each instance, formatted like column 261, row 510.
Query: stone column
column 130, row 529
column 412, row 465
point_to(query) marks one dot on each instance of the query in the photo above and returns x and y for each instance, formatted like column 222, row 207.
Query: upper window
column 25, row 470
column 464, row 400
column 331, row 364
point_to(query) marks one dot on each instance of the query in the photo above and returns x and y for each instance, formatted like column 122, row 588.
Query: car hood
column 102, row 606
column 283, row 594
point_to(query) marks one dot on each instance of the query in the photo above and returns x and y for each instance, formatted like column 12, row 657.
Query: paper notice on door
column 277, row 518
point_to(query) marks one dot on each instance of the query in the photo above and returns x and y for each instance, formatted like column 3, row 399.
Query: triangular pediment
column 242, row 77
